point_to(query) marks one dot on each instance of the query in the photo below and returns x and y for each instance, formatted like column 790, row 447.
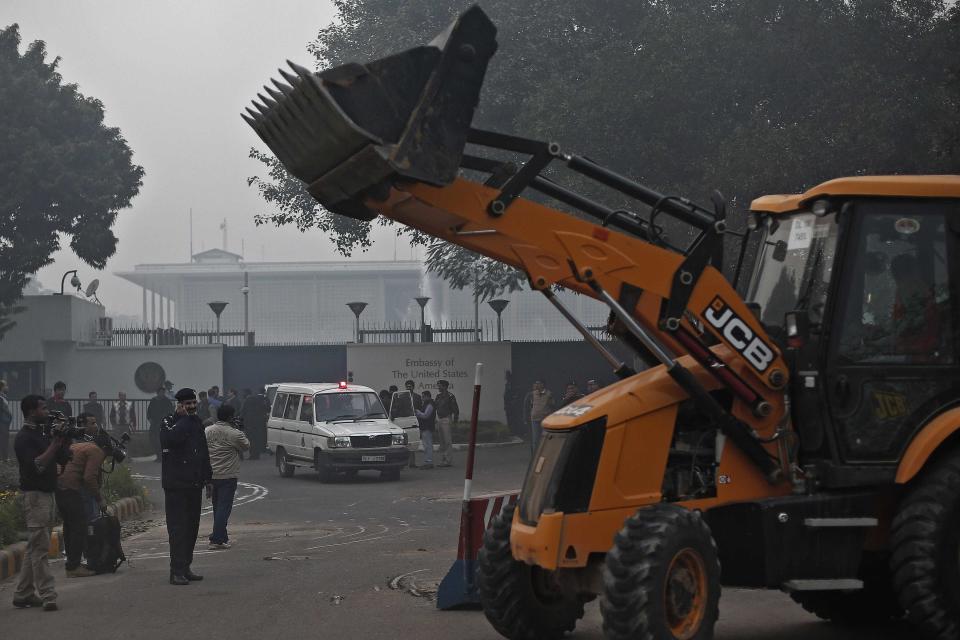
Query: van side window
column 293, row 403
column 306, row 409
column 278, row 403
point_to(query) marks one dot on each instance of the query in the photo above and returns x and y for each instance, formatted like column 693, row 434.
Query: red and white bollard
column 459, row 588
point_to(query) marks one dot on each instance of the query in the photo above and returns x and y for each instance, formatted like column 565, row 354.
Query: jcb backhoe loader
column 803, row 437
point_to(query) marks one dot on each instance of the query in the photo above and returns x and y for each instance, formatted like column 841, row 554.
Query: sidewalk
column 11, row 557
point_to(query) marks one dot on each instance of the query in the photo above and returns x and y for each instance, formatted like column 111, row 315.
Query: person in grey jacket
column 225, row 442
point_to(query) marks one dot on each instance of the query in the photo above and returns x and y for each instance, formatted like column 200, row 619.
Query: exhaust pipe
column 349, row 131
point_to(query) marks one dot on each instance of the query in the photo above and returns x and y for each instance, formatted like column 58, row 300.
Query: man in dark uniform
column 185, row 472
column 159, row 407
column 254, row 413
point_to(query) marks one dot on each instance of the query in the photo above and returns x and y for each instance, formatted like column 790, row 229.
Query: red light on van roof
column 342, row 385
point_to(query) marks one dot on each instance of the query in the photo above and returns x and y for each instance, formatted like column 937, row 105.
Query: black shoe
column 31, row 601
column 192, row 577
column 178, row 579
column 50, row 605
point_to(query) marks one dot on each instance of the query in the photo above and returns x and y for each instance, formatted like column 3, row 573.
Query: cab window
column 898, row 310
column 279, row 402
column 293, row 403
column 306, row 409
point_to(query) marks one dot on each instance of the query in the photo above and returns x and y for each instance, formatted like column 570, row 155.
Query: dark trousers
column 223, row 492
column 258, row 439
column 4, row 441
column 182, row 507
column 73, row 512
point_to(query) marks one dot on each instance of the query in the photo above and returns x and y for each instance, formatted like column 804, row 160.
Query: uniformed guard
column 185, row 472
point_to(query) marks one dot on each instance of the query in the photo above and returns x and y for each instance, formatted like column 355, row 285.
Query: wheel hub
column 685, row 594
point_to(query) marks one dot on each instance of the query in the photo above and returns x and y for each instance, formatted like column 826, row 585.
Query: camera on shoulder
column 59, row 425
column 114, row 448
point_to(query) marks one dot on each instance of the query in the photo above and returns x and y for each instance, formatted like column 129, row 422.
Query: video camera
column 61, row 426
column 114, row 448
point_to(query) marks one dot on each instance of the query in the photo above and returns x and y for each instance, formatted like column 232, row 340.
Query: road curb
column 489, row 445
column 11, row 557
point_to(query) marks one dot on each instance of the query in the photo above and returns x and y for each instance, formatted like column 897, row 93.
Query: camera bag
column 104, row 552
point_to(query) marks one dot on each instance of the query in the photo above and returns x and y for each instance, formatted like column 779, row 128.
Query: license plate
column 373, row 458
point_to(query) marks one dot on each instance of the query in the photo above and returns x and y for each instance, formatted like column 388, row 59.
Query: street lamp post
column 74, row 281
column 217, row 308
column 476, row 302
column 245, row 290
column 422, row 301
column 498, row 306
column 357, row 308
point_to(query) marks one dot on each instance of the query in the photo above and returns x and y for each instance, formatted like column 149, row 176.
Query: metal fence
column 452, row 331
column 142, row 336
column 370, row 333
column 77, row 405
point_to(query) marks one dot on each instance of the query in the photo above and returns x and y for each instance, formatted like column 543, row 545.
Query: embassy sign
column 739, row 335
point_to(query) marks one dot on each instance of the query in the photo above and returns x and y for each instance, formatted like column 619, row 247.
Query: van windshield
column 347, row 405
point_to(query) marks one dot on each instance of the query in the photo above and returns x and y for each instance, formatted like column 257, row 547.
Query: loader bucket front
column 351, row 128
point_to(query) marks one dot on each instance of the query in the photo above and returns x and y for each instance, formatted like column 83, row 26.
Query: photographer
column 78, row 494
column 225, row 441
column 185, row 472
column 38, row 451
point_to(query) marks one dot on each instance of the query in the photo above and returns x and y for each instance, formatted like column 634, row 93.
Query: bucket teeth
column 289, row 77
column 269, row 102
column 286, row 89
column 300, row 70
column 253, row 114
column 276, row 95
column 261, row 108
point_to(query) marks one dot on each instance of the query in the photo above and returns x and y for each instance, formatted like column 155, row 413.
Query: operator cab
column 861, row 291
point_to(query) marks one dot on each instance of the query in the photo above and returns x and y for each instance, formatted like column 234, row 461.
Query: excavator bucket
column 349, row 129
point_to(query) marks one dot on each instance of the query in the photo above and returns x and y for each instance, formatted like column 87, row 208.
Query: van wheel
column 393, row 473
column 522, row 602
column 662, row 577
column 925, row 537
column 324, row 472
column 283, row 467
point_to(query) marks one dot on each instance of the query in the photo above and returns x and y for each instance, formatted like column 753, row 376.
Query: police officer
column 185, row 472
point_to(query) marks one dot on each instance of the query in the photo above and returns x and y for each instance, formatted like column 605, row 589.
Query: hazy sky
column 174, row 76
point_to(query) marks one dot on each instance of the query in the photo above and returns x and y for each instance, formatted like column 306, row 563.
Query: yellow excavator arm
column 390, row 137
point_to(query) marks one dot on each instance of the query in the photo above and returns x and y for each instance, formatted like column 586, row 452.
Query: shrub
column 11, row 518
column 120, row 484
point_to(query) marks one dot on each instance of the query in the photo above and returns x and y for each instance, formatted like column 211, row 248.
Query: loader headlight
column 400, row 438
column 338, row 442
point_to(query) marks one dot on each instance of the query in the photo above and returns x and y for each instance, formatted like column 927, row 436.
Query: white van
column 335, row 427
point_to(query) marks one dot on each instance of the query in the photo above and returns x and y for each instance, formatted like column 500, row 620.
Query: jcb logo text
column 739, row 335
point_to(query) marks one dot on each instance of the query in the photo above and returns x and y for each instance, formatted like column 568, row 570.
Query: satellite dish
column 92, row 288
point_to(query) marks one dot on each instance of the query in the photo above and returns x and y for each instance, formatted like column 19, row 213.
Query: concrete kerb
column 487, row 445
column 11, row 557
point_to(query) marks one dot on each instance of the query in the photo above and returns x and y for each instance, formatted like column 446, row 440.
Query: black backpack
column 104, row 553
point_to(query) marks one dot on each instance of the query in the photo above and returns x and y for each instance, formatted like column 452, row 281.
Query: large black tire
column 925, row 538
column 283, row 468
column 875, row 604
column 662, row 577
column 522, row 602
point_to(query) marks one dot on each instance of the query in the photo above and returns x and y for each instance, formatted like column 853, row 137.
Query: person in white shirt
column 225, row 442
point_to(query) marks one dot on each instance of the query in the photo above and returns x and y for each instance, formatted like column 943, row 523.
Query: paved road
column 302, row 546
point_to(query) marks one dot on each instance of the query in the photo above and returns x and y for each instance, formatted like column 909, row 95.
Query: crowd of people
column 62, row 463
column 539, row 402
column 436, row 417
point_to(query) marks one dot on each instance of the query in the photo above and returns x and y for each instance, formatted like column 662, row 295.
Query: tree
column 745, row 96
column 64, row 172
